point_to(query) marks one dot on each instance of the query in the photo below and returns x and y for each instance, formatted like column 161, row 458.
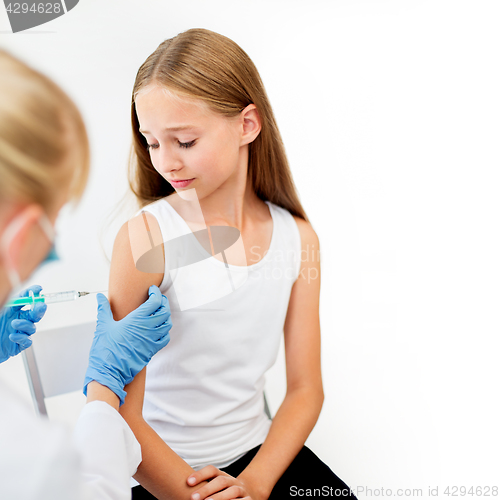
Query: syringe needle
column 82, row 294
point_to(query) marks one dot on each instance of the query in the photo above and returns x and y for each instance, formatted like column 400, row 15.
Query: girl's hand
column 221, row 486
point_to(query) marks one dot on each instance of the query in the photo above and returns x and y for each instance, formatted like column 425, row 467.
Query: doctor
column 44, row 162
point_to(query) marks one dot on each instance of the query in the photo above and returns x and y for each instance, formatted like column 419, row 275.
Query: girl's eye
column 186, row 144
column 181, row 144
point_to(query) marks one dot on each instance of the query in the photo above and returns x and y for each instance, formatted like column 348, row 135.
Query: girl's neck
column 232, row 210
column 234, row 201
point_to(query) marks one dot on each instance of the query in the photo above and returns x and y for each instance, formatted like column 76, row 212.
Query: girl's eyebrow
column 170, row 129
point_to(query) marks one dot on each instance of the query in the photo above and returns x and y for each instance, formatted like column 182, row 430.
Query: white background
column 390, row 115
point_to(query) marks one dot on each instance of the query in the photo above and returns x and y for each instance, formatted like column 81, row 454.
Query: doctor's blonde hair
column 205, row 65
column 37, row 122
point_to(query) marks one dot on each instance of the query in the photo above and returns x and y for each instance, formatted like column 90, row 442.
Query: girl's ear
column 251, row 124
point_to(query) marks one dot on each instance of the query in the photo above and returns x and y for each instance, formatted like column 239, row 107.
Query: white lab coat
column 41, row 460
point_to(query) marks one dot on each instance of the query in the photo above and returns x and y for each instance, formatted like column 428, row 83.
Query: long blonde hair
column 208, row 66
column 36, row 120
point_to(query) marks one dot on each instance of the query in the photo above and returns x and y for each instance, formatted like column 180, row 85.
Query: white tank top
column 204, row 390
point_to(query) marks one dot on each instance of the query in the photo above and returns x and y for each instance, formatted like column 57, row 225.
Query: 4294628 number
column 36, row 8
column 484, row 491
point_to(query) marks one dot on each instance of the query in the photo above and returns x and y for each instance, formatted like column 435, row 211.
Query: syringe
column 47, row 298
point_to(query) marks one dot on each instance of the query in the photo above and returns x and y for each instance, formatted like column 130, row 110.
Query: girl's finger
column 221, row 482
column 208, row 472
column 228, row 494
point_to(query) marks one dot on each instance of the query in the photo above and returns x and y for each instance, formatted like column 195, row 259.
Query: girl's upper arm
column 128, row 287
column 302, row 326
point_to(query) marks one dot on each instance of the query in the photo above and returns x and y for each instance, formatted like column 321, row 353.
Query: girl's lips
column 182, row 184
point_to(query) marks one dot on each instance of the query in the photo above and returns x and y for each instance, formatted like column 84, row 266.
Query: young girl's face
column 187, row 140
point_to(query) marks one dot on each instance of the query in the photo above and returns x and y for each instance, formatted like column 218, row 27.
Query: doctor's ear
column 21, row 233
column 251, row 124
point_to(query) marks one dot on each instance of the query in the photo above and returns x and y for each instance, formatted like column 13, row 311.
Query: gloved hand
column 16, row 325
column 121, row 349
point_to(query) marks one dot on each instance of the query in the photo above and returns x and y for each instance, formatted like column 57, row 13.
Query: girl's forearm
column 289, row 430
column 162, row 472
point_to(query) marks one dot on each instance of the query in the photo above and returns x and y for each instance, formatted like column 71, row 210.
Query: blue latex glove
column 16, row 325
column 121, row 349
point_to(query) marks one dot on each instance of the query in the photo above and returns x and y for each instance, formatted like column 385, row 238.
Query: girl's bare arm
column 162, row 472
column 300, row 409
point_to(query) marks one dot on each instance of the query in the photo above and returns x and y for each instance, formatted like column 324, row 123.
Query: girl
column 207, row 152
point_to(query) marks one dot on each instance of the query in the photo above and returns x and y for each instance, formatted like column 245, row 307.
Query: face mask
column 51, row 256
column 51, row 235
column 10, row 233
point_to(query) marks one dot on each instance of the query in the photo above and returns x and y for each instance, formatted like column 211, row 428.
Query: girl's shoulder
column 152, row 217
column 154, row 206
column 307, row 233
column 143, row 235
column 305, row 228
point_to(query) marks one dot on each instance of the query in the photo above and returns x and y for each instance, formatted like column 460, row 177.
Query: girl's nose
column 168, row 162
